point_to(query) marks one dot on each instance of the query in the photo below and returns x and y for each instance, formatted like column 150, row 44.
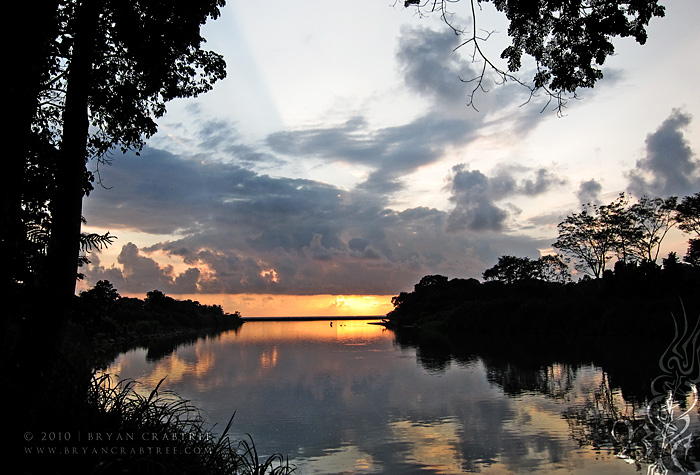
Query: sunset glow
column 341, row 183
column 267, row 305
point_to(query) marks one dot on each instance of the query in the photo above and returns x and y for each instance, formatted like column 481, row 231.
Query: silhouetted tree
column 99, row 301
column 511, row 269
column 688, row 217
column 108, row 71
column 692, row 256
column 653, row 217
column 688, row 214
column 554, row 268
column 588, row 237
column 35, row 26
column 430, row 282
column 625, row 229
column 103, row 291
column 568, row 41
column 631, row 233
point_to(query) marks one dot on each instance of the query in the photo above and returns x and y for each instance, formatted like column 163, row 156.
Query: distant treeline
column 631, row 300
column 101, row 310
column 522, row 296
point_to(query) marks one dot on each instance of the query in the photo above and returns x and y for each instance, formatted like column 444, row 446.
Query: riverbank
column 636, row 302
column 103, row 323
column 69, row 417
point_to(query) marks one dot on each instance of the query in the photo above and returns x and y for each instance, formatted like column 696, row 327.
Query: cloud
column 670, row 166
column 543, row 181
column 142, row 273
column 475, row 195
column 431, row 68
column 227, row 229
column 391, row 152
column 472, row 193
column 589, row 192
column 95, row 271
column 212, row 138
column 139, row 273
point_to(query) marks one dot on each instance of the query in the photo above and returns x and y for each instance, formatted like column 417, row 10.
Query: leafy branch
column 568, row 41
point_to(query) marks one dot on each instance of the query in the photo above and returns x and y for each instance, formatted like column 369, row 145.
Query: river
column 350, row 397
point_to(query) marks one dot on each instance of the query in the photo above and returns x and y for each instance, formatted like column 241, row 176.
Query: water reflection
column 662, row 433
column 356, row 398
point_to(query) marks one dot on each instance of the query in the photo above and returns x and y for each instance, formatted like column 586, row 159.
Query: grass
column 116, row 428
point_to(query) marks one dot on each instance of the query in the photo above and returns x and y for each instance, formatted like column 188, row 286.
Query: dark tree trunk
column 28, row 60
column 66, row 210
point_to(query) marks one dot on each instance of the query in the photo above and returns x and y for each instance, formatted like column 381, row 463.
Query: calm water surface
column 346, row 398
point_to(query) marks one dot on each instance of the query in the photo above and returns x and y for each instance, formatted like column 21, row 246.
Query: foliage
column 101, row 74
column 510, row 268
column 625, row 302
column 653, row 217
column 546, row 268
column 688, row 214
column 629, row 233
column 101, row 310
column 92, row 241
column 145, row 54
column 588, row 238
column 554, row 268
column 692, row 257
column 521, row 295
column 157, row 431
column 568, row 41
column 625, row 230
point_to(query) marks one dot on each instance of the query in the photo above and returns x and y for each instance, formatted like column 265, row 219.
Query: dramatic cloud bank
column 272, row 185
column 475, row 196
column 670, row 166
column 236, row 231
column 221, row 227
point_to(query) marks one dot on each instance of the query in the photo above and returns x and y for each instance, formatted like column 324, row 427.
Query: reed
column 124, row 429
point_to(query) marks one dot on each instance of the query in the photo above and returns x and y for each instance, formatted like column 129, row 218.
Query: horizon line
column 312, row 318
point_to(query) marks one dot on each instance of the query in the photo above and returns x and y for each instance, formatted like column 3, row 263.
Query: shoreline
column 311, row 319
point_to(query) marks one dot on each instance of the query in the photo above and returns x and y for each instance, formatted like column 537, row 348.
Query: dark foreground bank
column 65, row 416
column 628, row 302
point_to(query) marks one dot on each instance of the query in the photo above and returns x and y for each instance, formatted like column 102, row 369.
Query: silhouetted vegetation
column 102, row 311
column 103, row 321
column 631, row 300
column 512, row 269
column 521, row 296
column 81, row 421
column 568, row 41
column 98, row 425
column 94, row 78
column 91, row 79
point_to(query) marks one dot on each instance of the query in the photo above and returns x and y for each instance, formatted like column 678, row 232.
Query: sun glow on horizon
column 272, row 305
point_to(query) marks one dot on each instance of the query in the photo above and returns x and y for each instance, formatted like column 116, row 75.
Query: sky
column 339, row 162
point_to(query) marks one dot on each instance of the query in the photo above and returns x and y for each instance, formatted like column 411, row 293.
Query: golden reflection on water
column 196, row 368
column 347, row 459
column 431, row 444
column 331, row 331
column 268, row 359
column 344, row 369
column 173, row 367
